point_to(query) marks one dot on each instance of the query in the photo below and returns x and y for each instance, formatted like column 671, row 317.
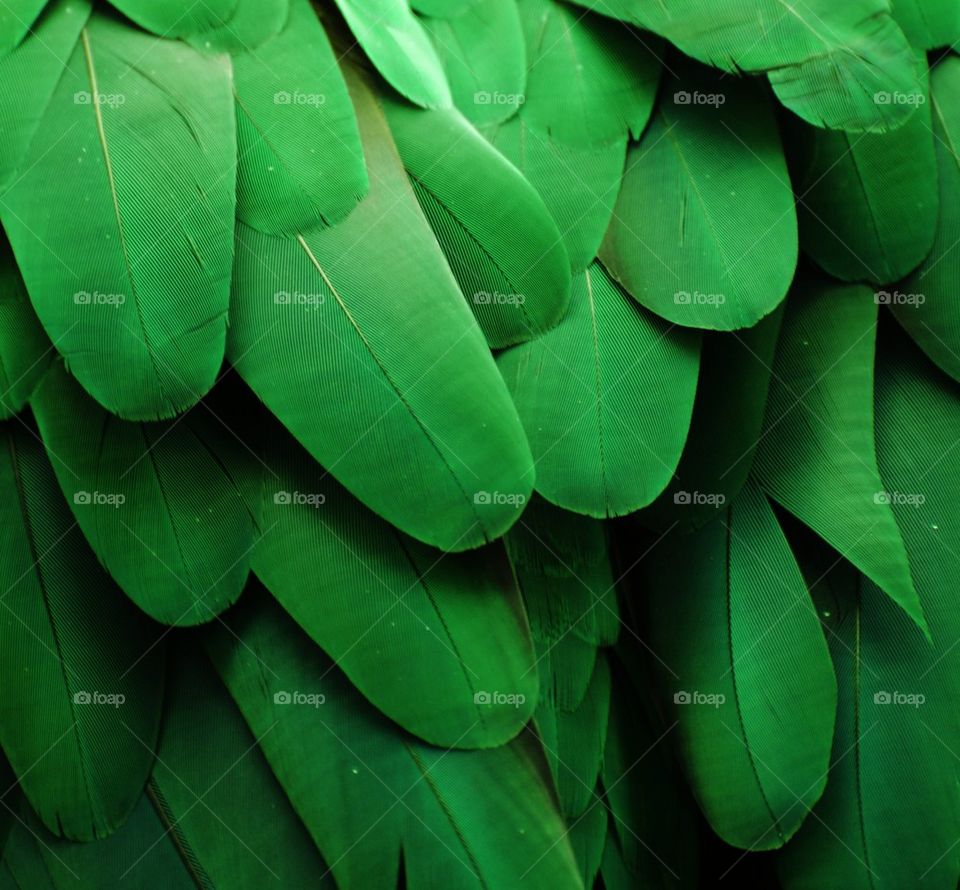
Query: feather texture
column 80, row 706
column 747, row 667
column 408, row 379
column 588, row 393
column 502, row 245
column 129, row 272
column 704, row 232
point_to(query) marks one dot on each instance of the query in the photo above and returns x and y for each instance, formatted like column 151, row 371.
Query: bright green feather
column 745, row 662
column 502, row 245
column 816, row 456
column 176, row 535
column 421, row 634
column 123, row 222
column 300, row 162
column 386, row 378
column 80, row 706
column 606, row 399
column 704, row 232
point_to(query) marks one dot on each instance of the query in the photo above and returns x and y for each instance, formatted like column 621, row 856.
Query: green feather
column 748, row 669
column 252, row 23
column 396, row 43
column 652, row 834
column 123, row 223
column 502, row 245
column 139, row 856
column 590, row 82
column 928, row 24
column 867, row 203
column 222, row 806
column 367, row 791
column 386, row 378
column 175, row 20
column 890, row 815
column 588, row 393
column 704, row 232
column 16, row 21
column 300, row 162
column 443, row 8
column 724, row 430
column 817, row 456
column 422, row 635
column 80, row 706
column 925, row 304
column 484, row 56
column 30, row 76
column 178, row 540
column 25, row 351
column 825, row 60
column 578, row 185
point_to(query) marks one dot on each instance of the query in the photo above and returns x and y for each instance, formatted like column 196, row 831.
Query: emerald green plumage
column 704, row 231
column 925, row 304
column 478, row 818
column 817, row 456
column 423, row 635
column 725, row 427
column 410, row 378
column 25, row 351
column 867, row 203
column 745, row 663
column 429, row 461
column 482, row 50
column 80, row 706
column 397, row 45
column 825, row 60
column 142, row 493
column 299, row 158
column 128, row 269
column 606, row 399
column 499, row 239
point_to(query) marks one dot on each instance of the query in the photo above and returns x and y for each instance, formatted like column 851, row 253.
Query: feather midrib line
column 728, row 542
column 598, row 382
column 37, row 563
column 401, row 398
column 102, row 136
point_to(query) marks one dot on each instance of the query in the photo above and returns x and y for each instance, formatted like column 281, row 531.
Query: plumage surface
column 817, row 455
column 605, row 399
column 418, row 378
column 704, row 232
column 80, row 708
column 503, row 247
column 748, row 671
column 129, row 272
